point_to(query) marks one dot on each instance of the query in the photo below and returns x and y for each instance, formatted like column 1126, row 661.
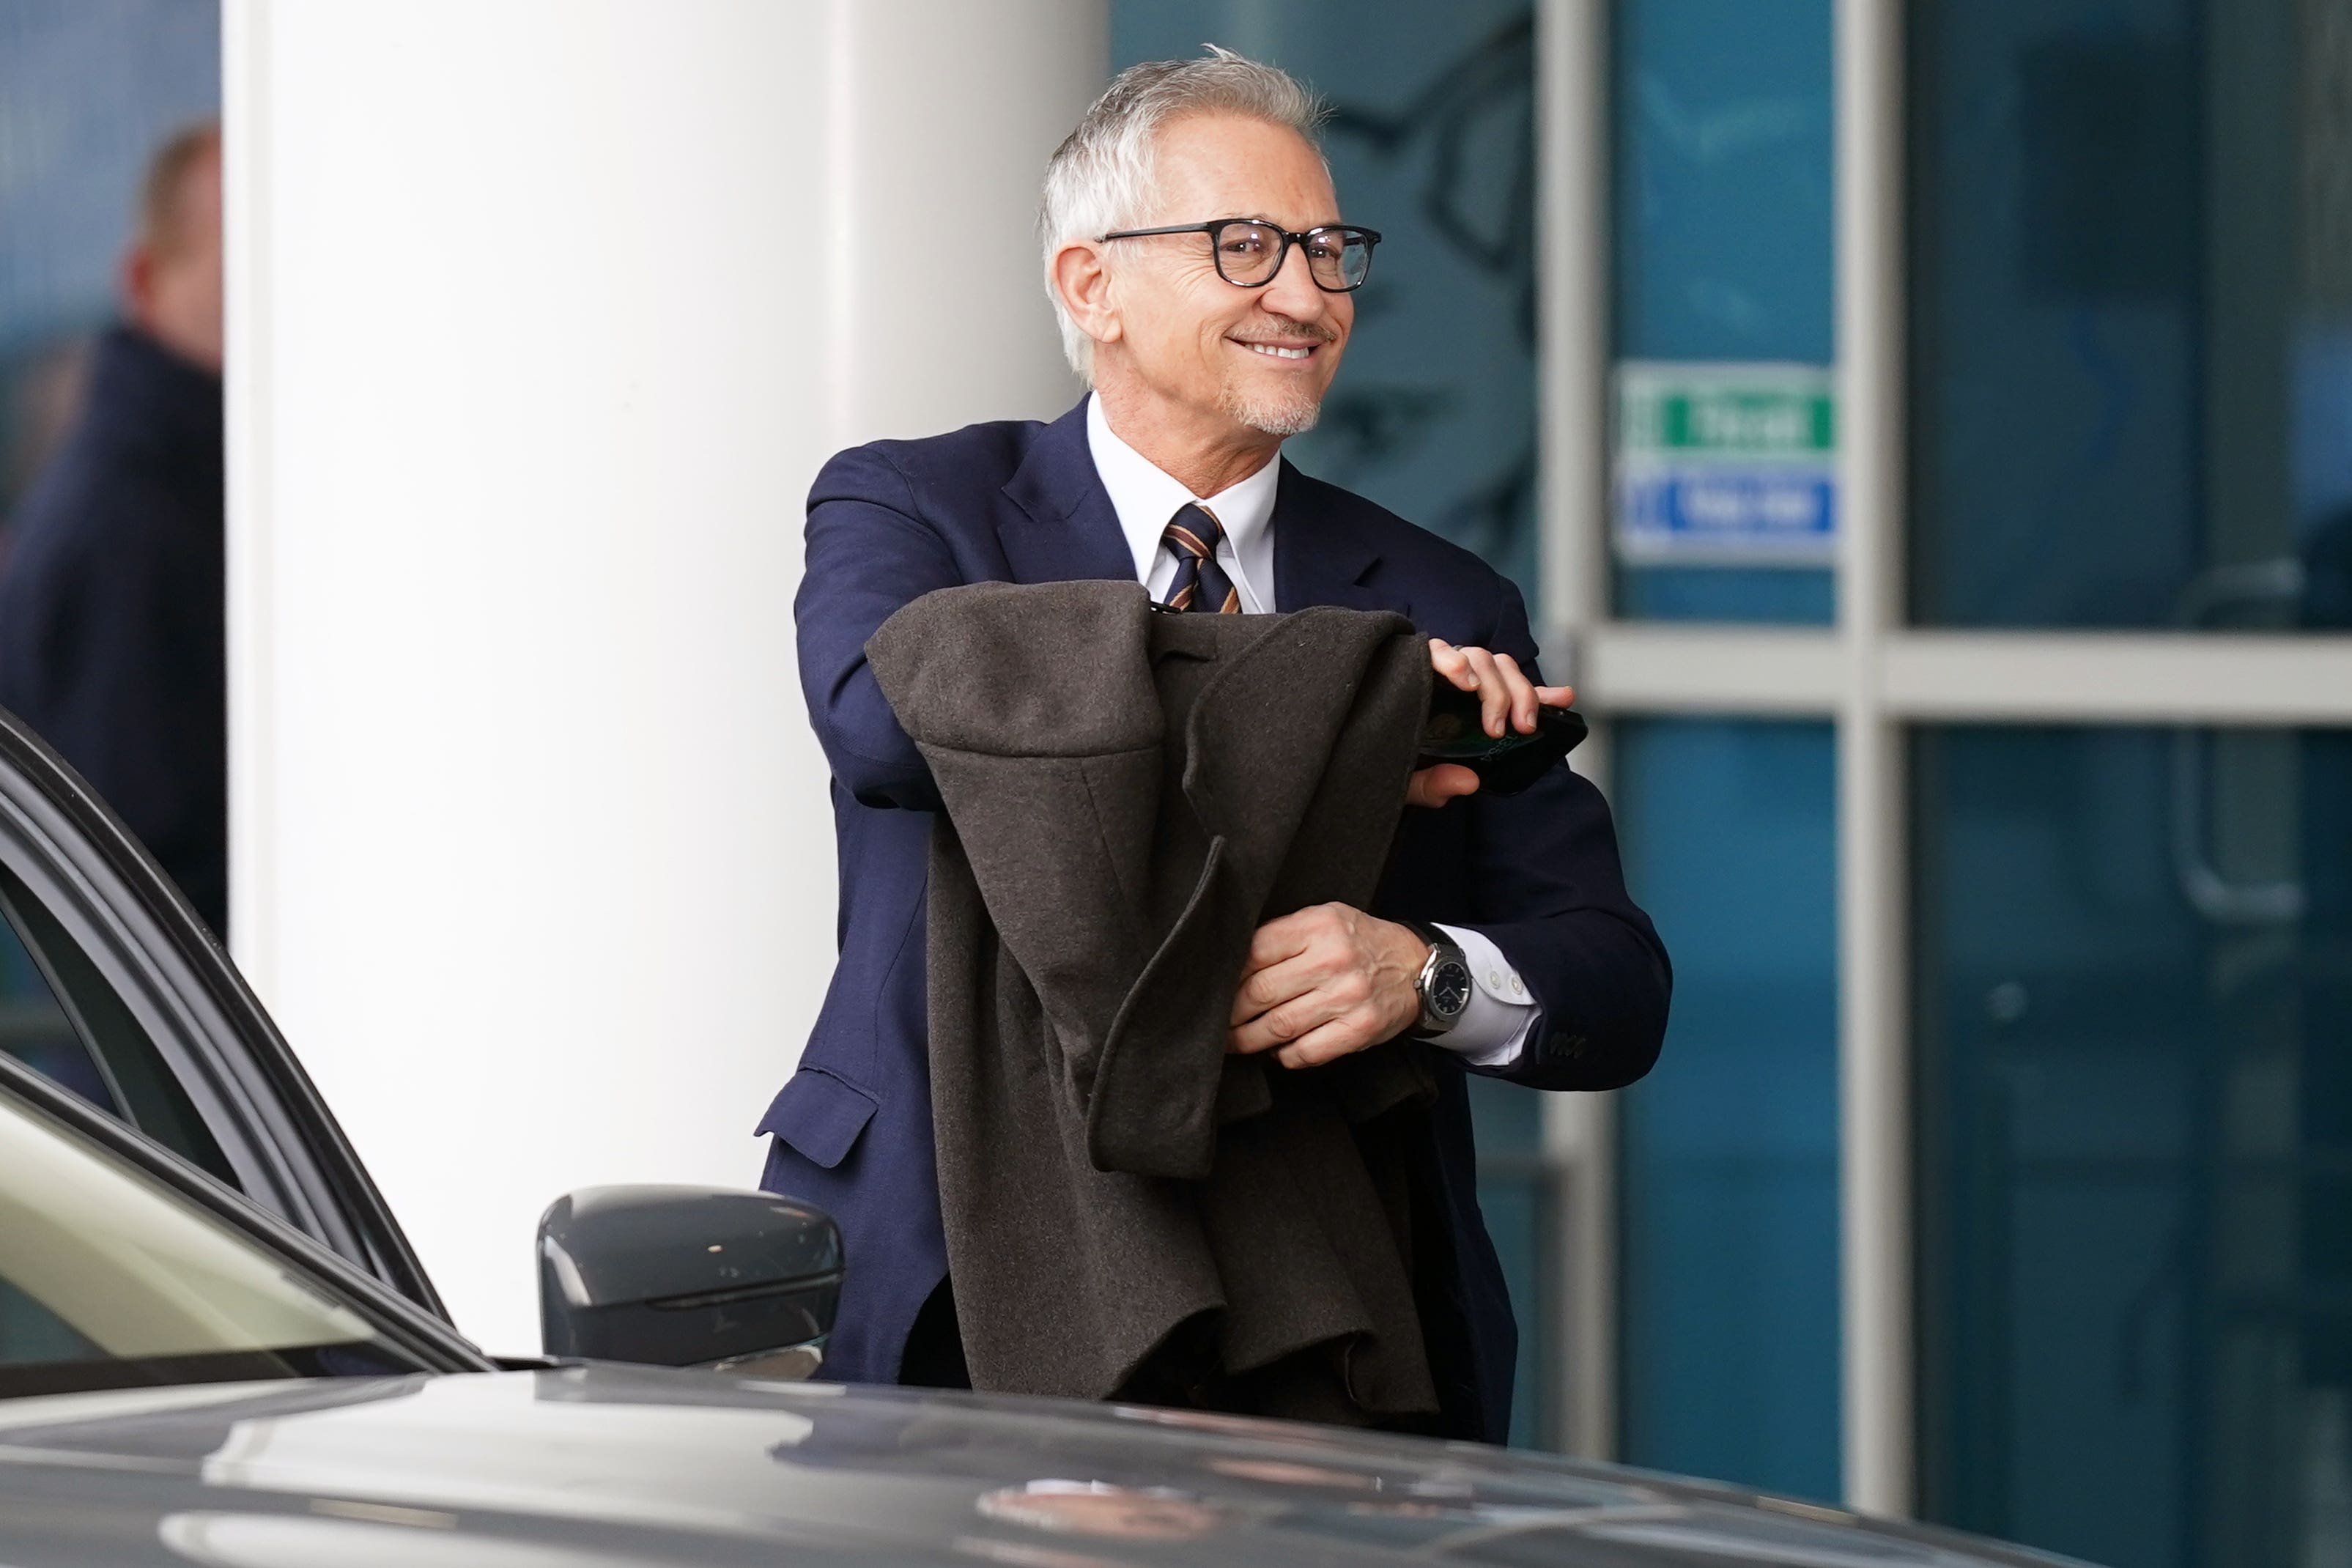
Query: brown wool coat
column 1129, row 795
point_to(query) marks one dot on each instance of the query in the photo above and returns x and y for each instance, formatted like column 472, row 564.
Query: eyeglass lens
column 1250, row 253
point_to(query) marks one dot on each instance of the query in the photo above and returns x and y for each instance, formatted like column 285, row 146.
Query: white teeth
column 1278, row 352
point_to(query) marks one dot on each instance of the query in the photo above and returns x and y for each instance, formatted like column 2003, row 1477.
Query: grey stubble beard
column 1285, row 417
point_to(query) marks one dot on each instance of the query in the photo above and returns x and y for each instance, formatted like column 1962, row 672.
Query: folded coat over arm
column 1128, row 796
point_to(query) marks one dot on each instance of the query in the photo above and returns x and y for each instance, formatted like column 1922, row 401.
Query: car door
column 112, row 986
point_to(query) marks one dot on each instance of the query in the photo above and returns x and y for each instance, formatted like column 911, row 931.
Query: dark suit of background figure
column 112, row 625
column 1020, row 501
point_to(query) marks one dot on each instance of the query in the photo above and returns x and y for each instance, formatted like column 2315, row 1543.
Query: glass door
column 2087, row 820
column 2131, row 398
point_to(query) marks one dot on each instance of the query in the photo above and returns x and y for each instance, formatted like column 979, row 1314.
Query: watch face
column 1449, row 989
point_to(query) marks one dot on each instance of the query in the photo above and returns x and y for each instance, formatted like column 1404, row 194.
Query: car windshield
column 109, row 1278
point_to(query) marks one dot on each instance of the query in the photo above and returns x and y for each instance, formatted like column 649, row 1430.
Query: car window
column 110, row 1279
column 35, row 1030
column 61, row 1017
column 111, row 986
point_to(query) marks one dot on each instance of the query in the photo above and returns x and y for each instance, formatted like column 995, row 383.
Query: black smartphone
column 1456, row 732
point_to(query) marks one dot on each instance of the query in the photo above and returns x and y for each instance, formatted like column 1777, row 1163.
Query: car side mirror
column 734, row 1281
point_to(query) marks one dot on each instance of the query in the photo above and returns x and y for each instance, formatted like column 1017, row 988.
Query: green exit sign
column 1754, row 411
column 1750, row 422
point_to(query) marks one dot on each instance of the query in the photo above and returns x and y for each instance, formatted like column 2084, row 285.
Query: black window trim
column 425, row 1336
column 68, row 848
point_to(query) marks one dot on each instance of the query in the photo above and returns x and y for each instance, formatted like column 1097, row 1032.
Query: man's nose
column 1293, row 292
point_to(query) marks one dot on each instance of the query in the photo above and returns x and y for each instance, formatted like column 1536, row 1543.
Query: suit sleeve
column 869, row 553
column 1550, row 893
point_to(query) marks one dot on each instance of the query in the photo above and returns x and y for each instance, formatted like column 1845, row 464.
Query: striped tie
column 1200, row 583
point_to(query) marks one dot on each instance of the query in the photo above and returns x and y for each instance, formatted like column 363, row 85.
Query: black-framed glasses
column 1250, row 254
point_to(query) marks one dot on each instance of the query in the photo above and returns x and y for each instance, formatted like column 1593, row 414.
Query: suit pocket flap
column 819, row 1115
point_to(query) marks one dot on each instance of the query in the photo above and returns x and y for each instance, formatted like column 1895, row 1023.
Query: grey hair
column 1102, row 175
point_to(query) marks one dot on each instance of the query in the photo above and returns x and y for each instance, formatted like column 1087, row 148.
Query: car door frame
column 100, row 884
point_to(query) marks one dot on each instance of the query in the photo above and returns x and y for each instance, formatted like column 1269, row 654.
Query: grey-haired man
column 1203, row 273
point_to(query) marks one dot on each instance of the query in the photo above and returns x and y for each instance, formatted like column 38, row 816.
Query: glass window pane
column 1519, row 1194
column 2131, row 314
column 2134, row 1004
column 1431, row 141
column 1728, row 1234
column 35, row 1030
column 109, row 1279
column 1720, row 140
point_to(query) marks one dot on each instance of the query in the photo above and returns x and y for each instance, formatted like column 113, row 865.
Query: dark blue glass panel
column 1520, row 1195
column 1780, row 596
column 2134, row 1020
column 1431, row 141
column 2131, row 314
column 1721, row 140
column 1730, row 1229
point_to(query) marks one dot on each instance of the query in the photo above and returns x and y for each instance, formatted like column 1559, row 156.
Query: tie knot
column 1192, row 533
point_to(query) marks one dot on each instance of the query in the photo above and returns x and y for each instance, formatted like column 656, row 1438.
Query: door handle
column 2221, row 901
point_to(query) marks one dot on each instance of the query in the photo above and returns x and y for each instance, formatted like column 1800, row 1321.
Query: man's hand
column 1327, row 981
column 1506, row 696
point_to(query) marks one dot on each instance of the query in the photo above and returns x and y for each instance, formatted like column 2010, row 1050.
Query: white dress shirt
column 1502, row 1013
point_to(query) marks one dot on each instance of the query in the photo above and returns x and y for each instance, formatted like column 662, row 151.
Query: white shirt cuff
column 1502, row 1011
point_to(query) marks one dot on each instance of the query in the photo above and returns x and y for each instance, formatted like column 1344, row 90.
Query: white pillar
column 542, row 315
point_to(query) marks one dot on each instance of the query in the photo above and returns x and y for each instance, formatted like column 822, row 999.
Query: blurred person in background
column 111, row 623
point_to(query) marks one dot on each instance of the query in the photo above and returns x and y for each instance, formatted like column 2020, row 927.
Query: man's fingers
column 1283, row 938
column 1327, row 1042
column 1494, row 697
column 1450, row 662
column 1264, row 990
column 1433, row 786
column 1522, row 693
column 1295, row 1020
column 1556, row 696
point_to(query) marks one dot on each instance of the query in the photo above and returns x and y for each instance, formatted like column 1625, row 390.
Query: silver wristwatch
column 1443, row 985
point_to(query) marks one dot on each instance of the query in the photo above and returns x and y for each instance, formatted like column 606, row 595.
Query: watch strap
column 1428, row 934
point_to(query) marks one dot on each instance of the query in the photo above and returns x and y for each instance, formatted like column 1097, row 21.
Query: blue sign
column 1778, row 514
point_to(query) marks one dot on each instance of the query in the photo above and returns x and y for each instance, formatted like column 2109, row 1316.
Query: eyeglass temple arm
column 1370, row 236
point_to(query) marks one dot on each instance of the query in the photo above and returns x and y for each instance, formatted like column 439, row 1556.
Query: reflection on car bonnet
column 1102, row 1508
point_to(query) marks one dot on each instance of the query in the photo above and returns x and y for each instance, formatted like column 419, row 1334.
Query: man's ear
column 137, row 281
column 1082, row 278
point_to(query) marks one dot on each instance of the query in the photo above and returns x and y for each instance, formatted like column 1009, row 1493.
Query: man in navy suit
column 1195, row 255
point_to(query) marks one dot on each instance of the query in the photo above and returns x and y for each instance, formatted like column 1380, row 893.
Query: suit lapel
column 1317, row 560
column 1067, row 529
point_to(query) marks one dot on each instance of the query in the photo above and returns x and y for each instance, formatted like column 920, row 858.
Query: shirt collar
column 1146, row 497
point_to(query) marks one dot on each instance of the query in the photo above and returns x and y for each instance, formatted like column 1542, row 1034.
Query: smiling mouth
column 1278, row 351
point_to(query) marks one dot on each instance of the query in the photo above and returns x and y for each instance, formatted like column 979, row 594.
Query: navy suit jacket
column 1021, row 502
column 112, row 641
